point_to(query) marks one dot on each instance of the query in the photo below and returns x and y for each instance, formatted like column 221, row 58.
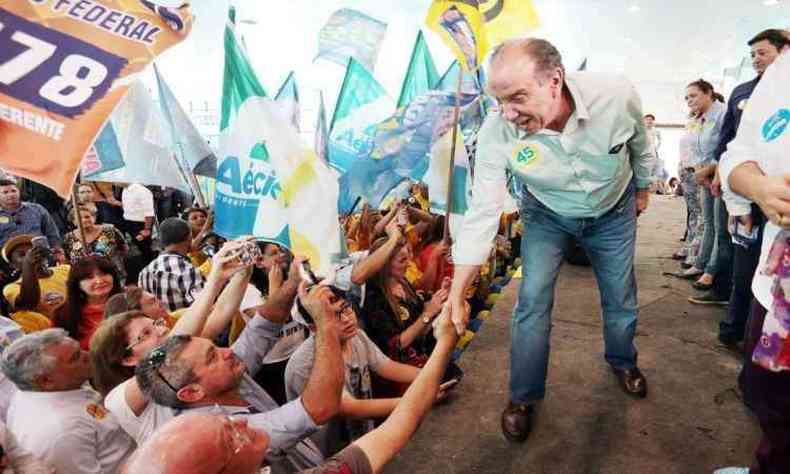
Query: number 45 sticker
column 52, row 70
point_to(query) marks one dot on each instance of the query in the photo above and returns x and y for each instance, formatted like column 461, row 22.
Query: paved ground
column 692, row 421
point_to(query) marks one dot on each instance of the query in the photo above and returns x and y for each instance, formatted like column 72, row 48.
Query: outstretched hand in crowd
column 227, row 261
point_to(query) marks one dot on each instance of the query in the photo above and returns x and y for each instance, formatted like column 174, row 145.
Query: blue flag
column 351, row 34
column 187, row 143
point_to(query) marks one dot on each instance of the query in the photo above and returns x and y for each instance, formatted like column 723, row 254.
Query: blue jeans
column 716, row 237
column 609, row 242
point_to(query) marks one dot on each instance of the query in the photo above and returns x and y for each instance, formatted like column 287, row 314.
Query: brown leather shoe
column 632, row 381
column 517, row 422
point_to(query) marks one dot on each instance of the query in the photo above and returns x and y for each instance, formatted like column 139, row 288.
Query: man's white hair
column 27, row 358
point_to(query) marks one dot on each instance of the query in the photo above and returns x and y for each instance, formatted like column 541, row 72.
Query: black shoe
column 733, row 344
column 632, row 381
column 702, row 286
column 685, row 266
column 517, row 422
column 709, row 299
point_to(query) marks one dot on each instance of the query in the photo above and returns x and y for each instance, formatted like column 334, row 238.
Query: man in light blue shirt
column 577, row 144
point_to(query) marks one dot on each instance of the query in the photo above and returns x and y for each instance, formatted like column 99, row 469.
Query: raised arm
column 321, row 396
column 373, row 263
column 277, row 307
column 30, row 291
column 383, row 443
column 224, row 265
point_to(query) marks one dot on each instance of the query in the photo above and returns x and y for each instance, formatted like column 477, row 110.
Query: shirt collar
column 22, row 205
column 581, row 112
column 77, row 394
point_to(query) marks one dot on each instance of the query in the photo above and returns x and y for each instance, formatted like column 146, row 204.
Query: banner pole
column 75, row 205
column 456, row 119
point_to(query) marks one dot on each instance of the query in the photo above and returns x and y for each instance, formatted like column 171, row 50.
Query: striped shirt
column 173, row 279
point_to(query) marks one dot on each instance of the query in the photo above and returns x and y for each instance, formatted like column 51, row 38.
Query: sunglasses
column 154, row 361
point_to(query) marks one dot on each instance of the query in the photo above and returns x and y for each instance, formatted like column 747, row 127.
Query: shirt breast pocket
column 606, row 160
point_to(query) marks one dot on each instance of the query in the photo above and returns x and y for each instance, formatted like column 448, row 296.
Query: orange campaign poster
column 64, row 65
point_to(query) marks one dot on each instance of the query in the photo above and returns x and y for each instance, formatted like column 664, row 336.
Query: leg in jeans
column 610, row 241
column 542, row 254
column 709, row 230
column 745, row 261
column 722, row 267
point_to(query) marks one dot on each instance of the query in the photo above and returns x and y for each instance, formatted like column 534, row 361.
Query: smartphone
column 249, row 253
column 41, row 242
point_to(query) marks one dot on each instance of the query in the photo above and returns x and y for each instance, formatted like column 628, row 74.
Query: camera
column 42, row 243
column 249, row 253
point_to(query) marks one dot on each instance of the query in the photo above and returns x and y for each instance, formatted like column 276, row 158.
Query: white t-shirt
column 138, row 203
column 764, row 138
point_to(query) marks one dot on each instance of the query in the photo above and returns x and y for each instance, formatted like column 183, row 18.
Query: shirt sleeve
column 711, row 144
column 148, row 202
column 643, row 160
column 49, row 228
column 727, row 132
column 286, row 425
column 488, row 197
column 376, row 358
column 351, row 460
column 256, row 340
column 297, row 372
column 739, row 151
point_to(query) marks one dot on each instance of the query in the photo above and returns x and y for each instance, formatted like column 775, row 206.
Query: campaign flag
column 421, row 76
column 322, row 132
column 351, row 34
column 471, row 27
column 400, row 147
column 437, row 180
column 64, row 66
column 473, row 113
column 136, row 138
column 288, row 97
column 188, row 145
column 268, row 185
column 361, row 104
column 247, row 193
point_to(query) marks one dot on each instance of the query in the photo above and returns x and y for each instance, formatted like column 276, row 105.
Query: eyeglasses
column 157, row 326
column 346, row 309
column 153, row 361
column 239, row 439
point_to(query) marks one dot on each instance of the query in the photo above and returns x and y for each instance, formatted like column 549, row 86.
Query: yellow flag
column 471, row 27
column 507, row 19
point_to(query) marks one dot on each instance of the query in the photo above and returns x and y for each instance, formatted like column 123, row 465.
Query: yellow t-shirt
column 30, row 321
column 52, row 288
column 197, row 258
column 413, row 273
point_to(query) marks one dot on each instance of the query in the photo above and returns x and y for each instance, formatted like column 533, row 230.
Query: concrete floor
column 692, row 421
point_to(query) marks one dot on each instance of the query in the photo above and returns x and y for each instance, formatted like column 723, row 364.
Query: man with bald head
column 577, row 145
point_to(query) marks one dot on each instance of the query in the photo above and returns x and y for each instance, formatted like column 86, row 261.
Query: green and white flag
column 268, row 184
column 288, row 97
column 421, row 76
